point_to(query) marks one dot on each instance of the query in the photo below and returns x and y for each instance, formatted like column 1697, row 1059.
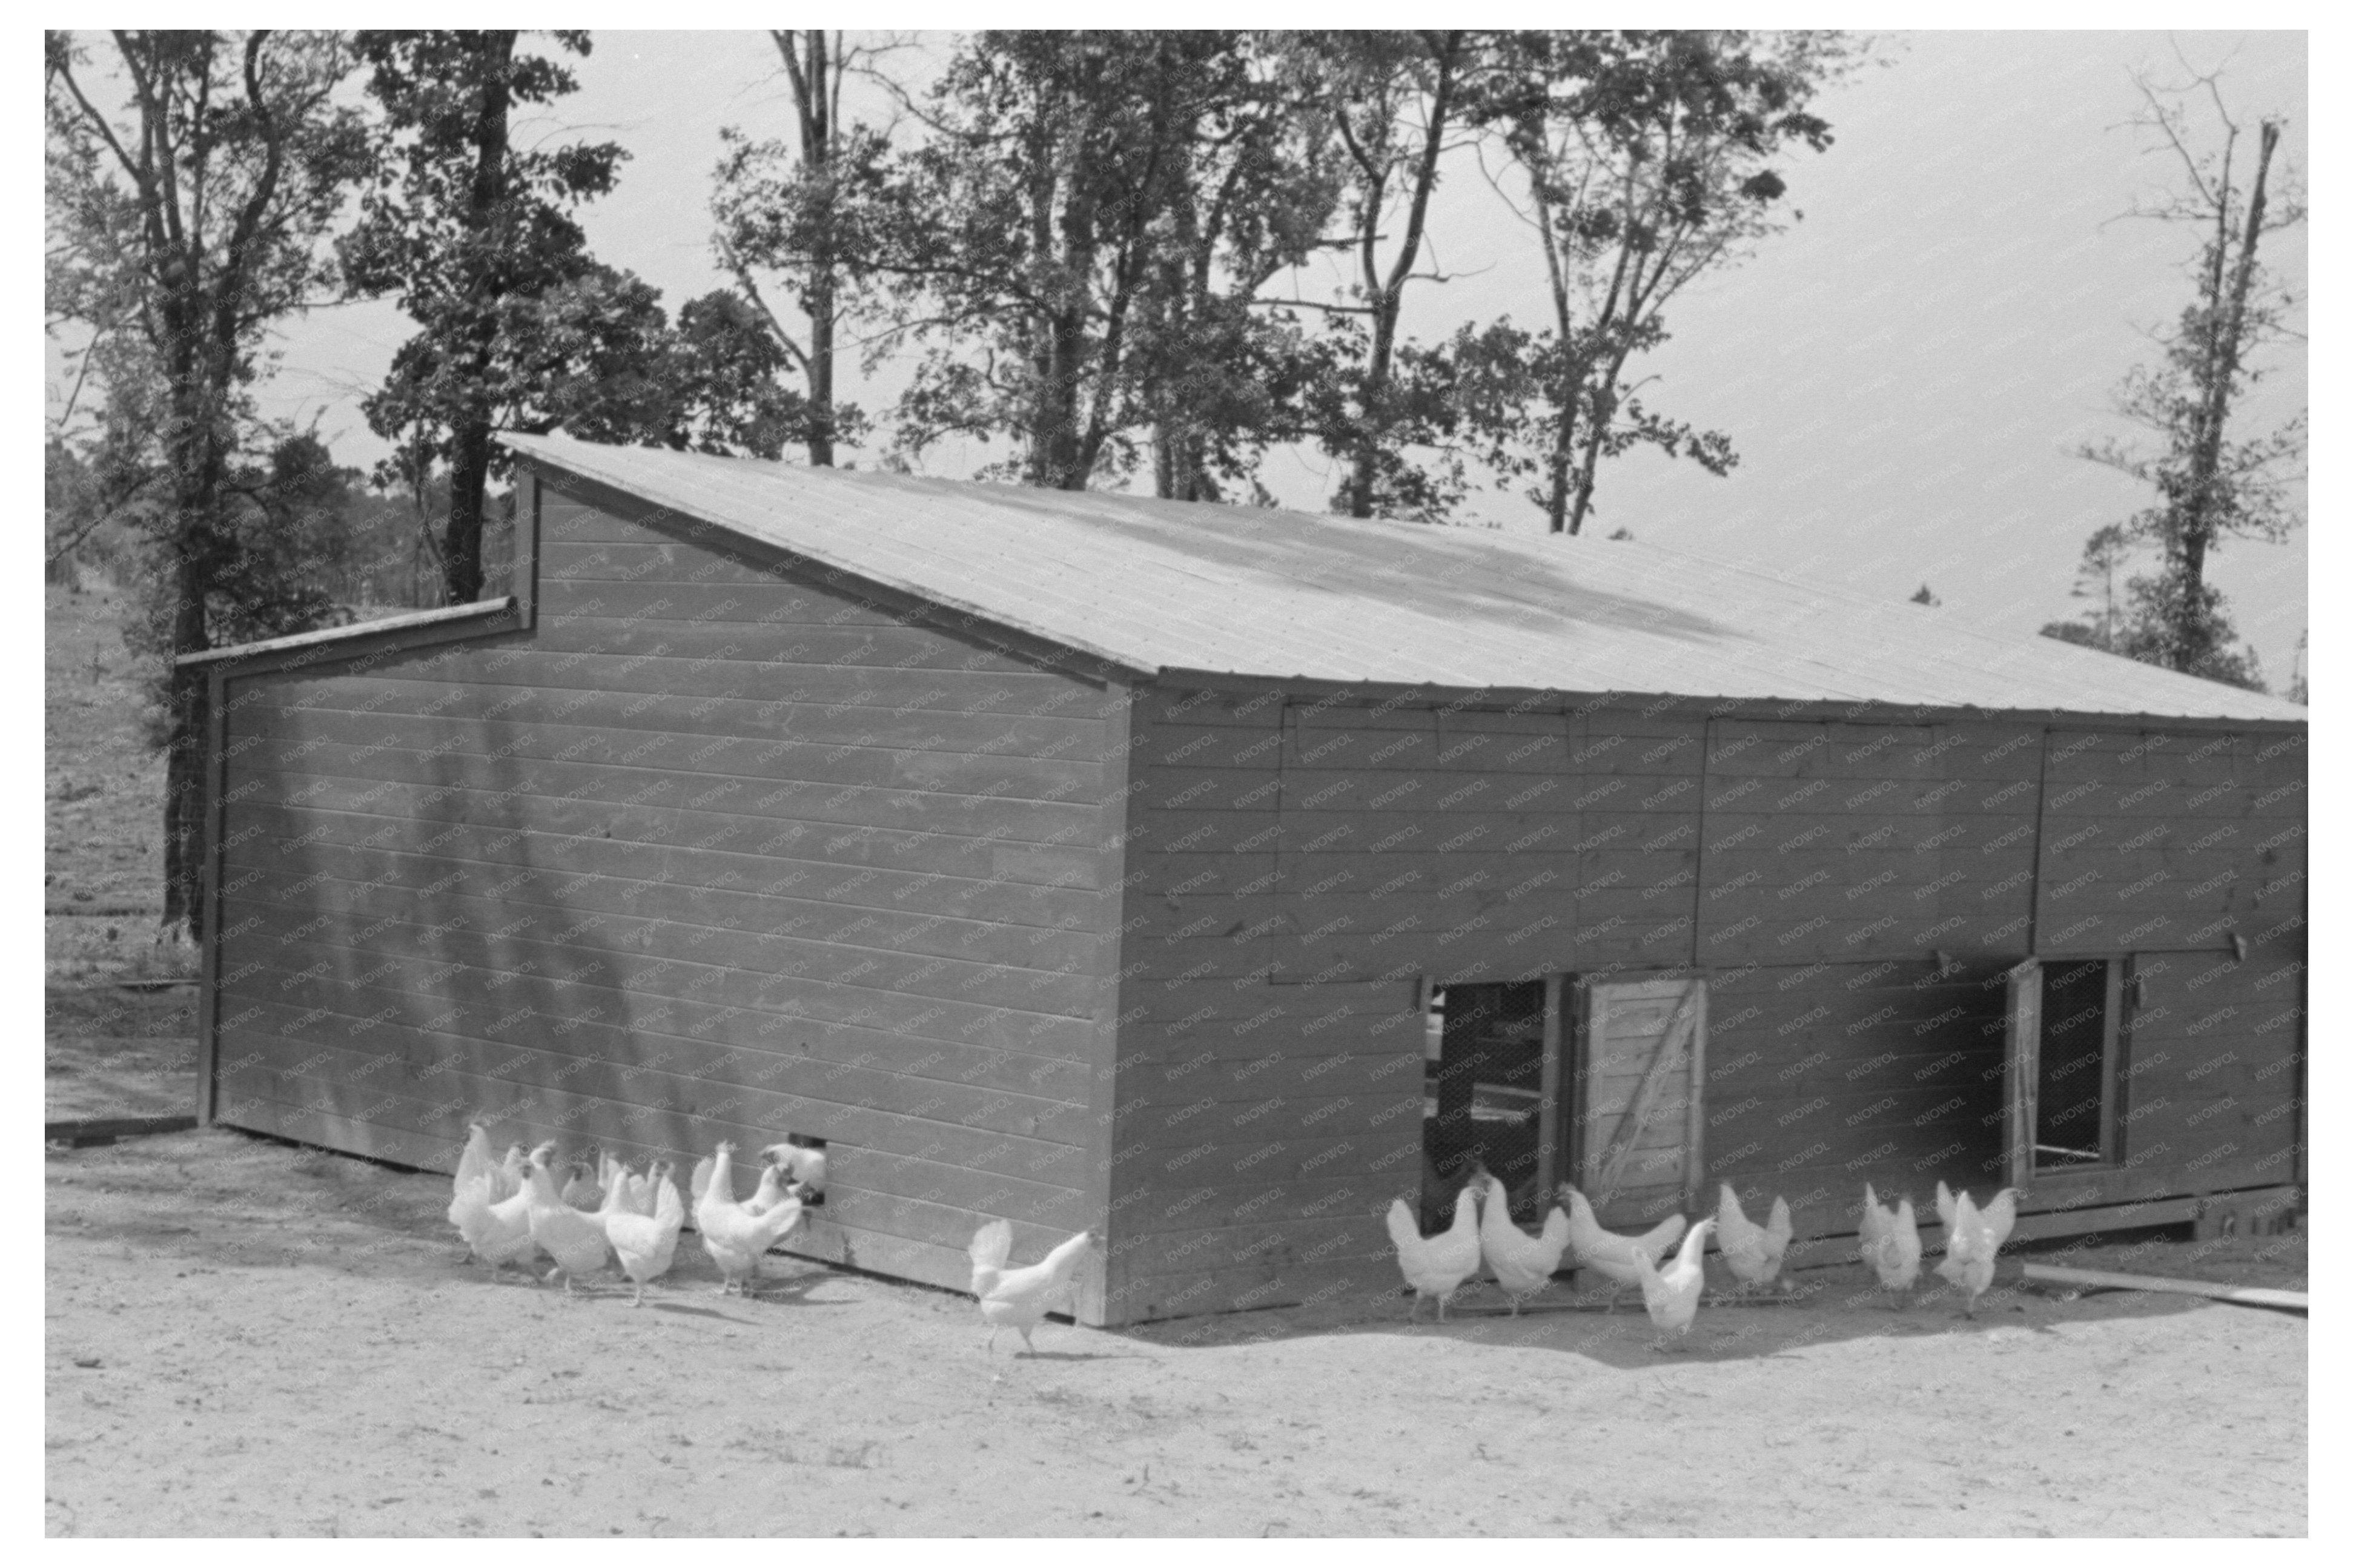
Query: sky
column 1907, row 372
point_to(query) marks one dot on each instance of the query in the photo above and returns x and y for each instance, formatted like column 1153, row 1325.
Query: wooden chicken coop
column 1212, row 876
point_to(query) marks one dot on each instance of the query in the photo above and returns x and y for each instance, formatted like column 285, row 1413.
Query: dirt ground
column 249, row 1337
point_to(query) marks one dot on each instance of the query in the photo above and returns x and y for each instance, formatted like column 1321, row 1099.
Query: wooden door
column 1641, row 1057
column 2021, row 1065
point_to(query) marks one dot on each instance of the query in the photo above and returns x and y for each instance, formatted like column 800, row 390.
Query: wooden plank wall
column 2167, row 845
column 1830, row 842
column 1823, row 1077
column 2155, row 841
column 1298, row 860
column 711, row 853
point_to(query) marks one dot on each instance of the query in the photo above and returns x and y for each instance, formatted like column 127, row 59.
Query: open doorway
column 2078, row 1061
column 1485, row 1103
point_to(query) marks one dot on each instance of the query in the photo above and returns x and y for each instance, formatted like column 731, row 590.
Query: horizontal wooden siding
column 711, row 853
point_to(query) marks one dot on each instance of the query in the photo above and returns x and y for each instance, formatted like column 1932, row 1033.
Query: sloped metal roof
column 1167, row 585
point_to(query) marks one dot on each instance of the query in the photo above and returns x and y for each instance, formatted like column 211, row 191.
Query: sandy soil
column 113, row 1050
column 245, row 1337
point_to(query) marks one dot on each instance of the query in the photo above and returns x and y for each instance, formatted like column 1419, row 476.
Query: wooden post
column 2116, row 1033
column 1102, row 1277
column 2035, row 885
column 1695, row 1124
column 523, row 580
column 208, row 964
column 1548, row 1161
column 2022, row 1059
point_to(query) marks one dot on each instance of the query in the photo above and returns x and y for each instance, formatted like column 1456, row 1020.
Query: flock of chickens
column 508, row 1211
column 1484, row 1236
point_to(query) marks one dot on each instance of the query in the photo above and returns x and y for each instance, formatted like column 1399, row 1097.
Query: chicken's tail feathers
column 475, row 1159
column 1066, row 1253
column 1403, row 1230
column 992, row 1245
column 2002, row 1213
column 1944, row 1203
column 669, row 1210
column 1780, row 1223
column 702, row 1178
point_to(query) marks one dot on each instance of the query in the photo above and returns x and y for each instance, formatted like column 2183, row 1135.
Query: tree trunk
column 469, row 432
column 1386, row 295
column 821, row 367
column 1556, row 464
column 469, row 472
column 2195, row 636
column 1564, row 434
column 1588, row 466
column 198, row 455
column 812, row 75
column 1376, row 397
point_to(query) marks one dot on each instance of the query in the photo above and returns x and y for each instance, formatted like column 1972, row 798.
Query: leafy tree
column 462, row 225
column 191, row 177
column 1396, row 101
column 2211, row 485
column 1022, row 240
column 2105, row 555
column 808, row 211
column 1648, row 160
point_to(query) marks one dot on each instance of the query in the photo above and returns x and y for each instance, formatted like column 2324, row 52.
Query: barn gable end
column 717, row 849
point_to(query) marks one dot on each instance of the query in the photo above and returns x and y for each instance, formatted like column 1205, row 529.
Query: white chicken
column 2001, row 1212
column 805, row 1167
column 1612, row 1254
column 775, row 1188
column 1890, row 1242
column 642, row 1197
column 646, row 1243
column 1671, row 1295
column 495, row 1221
column 1522, row 1264
column 1753, row 1253
column 1018, row 1298
column 1438, row 1265
column 574, row 1239
column 475, row 1170
column 1972, row 1236
column 581, row 1189
column 625, row 1191
column 735, row 1238
column 474, row 1165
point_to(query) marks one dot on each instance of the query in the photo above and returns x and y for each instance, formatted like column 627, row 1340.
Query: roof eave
column 332, row 642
